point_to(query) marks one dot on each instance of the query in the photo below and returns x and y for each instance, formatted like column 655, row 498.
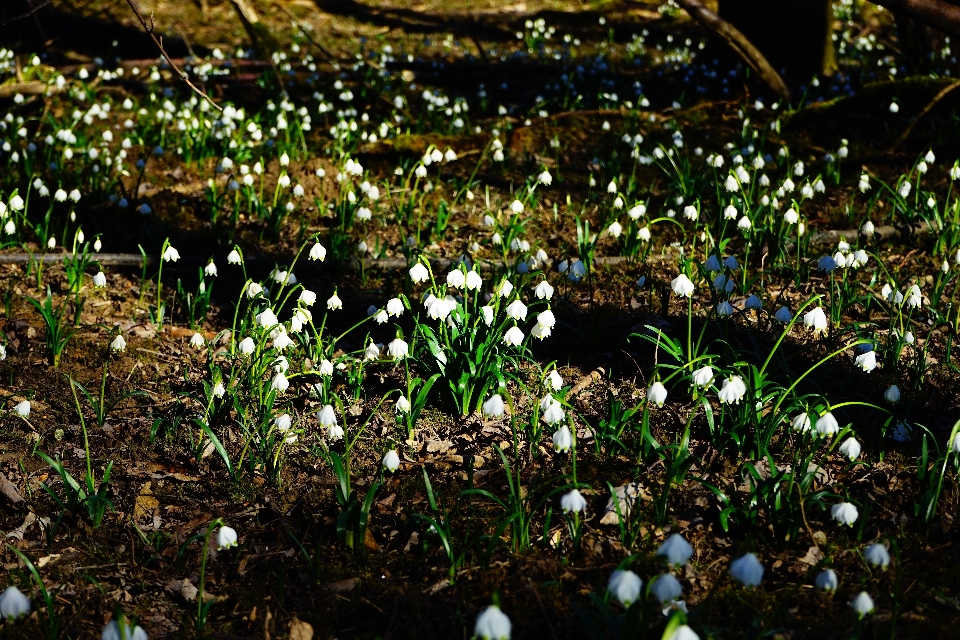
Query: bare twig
column 150, row 31
column 739, row 43
column 33, row 11
column 927, row 109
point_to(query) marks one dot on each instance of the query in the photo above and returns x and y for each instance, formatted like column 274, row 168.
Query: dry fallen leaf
column 9, row 490
column 342, row 585
column 188, row 591
column 145, row 504
column 300, row 630
column 45, row 560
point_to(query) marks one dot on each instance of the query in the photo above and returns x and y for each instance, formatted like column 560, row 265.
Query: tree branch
column 936, row 14
column 739, row 43
column 150, row 31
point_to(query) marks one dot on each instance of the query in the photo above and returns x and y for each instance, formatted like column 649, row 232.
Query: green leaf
column 216, row 443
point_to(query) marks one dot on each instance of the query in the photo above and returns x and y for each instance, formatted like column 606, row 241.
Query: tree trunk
column 794, row 35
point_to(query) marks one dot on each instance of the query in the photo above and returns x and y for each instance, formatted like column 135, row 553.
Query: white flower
column 327, row 417
column 517, row 310
column 545, row 178
column 815, row 319
column 703, row 376
column 487, row 315
column 615, row 229
column 666, row 588
column 197, row 341
column 372, row 352
column 513, row 337
column 801, row 422
column 573, row 501
column 850, row 448
column 318, row 252
column 492, row 624
column 504, row 288
column 267, row 318
column 113, row 632
column 863, row 603
column 246, row 346
column 827, row 580
column 118, row 344
column 99, row 280
column 171, row 255
column 280, row 382
column 473, row 281
column 456, row 279
column 516, row 206
column 732, row 391
column 791, row 216
column 438, row 308
column 747, row 569
column 637, row 212
column 683, row 632
column 281, row 341
column 554, row 380
column 494, row 406
column 844, row 513
column 13, row 604
column 731, row 184
column 543, row 291
column 219, row 390
column 877, row 555
column 657, row 394
column 867, row 361
column 682, row 286
column 398, row 349
column 690, row 212
column 391, row 461
column 419, row 273
column 334, row 302
column 553, row 413
column 226, row 538
column 308, row 297
column 254, row 289
column 625, row 586
column 403, row 405
column 676, row 550
column 827, row 425
column 234, row 257
column 562, row 440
